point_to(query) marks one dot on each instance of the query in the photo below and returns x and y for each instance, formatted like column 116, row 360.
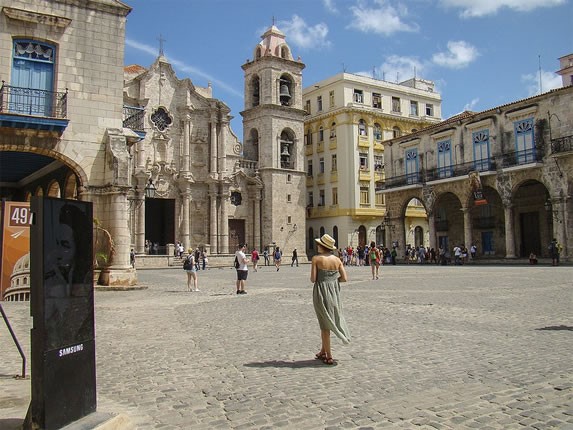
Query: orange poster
column 15, row 239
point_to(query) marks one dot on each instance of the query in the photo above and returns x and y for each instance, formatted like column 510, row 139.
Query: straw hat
column 326, row 241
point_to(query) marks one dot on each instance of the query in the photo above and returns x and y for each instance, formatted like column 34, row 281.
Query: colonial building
column 499, row 179
column 348, row 119
column 61, row 119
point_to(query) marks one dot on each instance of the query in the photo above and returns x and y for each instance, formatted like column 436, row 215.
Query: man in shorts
column 243, row 269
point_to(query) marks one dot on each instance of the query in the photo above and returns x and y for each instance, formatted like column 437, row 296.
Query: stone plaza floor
column 433, row 347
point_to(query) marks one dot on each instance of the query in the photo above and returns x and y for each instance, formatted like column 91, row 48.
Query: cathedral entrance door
column 237, row 234
column 160, row 223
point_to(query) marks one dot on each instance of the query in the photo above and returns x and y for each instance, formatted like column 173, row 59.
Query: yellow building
column 348, row 118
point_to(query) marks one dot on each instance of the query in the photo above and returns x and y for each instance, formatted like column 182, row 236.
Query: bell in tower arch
column 284, row 94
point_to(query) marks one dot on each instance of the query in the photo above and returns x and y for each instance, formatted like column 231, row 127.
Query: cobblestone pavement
column 471, row 347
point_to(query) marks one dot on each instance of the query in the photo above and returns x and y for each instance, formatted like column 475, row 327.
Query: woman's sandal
column 328, row 360
column 320, row 356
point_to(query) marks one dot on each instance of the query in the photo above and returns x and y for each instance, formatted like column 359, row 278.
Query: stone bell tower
column 273, row 129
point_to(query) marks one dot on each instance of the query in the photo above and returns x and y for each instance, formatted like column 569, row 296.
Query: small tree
column 104, row 250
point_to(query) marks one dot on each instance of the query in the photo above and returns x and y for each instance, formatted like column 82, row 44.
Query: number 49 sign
column 17, row 218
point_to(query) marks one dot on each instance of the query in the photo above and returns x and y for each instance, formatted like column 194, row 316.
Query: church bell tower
column 273, row 129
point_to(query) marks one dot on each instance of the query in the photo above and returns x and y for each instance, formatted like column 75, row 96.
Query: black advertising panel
column 62, row 306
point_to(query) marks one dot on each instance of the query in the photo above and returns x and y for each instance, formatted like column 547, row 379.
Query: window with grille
column 319, row 103
column 358, row 96
column 334, row 166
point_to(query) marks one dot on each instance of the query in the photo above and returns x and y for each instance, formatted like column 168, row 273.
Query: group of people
column 360, row 256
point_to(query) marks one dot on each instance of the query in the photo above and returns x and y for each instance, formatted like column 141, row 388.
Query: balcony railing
column 33, row 102
column 518, row 158
column 133, row 118
column 562, row 144
column 403, row 180
column 461, row 169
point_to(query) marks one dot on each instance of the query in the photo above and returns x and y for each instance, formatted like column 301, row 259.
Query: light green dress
column 327, row 304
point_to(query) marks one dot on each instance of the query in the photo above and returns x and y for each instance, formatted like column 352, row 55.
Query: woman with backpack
column 374, row 257
column 191, row 270
column 277, row 256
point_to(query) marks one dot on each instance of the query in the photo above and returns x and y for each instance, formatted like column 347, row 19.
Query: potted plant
column 104, row 250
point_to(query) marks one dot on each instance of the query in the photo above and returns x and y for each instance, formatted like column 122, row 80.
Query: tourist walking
column 255, row 259
column 327, row 271
column 554, row 252
column 266, row 256
column 191, row 270
column 242, row 269
column 294, row 258
column 278, row 257
column 374, row 257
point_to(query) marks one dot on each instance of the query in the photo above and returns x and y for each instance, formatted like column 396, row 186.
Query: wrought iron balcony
column 33, row 109
column 518, row 158
column 461, row 169
column 404, row 180
column 133, row 118
column 562, row 144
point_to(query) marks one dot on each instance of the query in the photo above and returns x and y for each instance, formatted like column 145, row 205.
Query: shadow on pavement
column 11, row 423
column 290, row 364
column 557, row 327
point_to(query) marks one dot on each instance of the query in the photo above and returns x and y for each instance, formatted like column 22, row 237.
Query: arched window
column 333, row 130
column 335, row 235
column 54, row 190
column 321, row 231
column 396, row 131
column 251, row 148
column 362, row 128
column 39, row 191
column 321, row 134
column 258, row 53
column 287, row 150
column 70, row 187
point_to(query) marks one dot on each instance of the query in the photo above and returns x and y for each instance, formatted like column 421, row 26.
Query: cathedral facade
column 193, row 181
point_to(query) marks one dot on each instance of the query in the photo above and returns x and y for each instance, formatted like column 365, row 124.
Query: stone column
column 185, row 202
column 467, row 228
column 139, row 226
column 509, row 233
column 223, row 221
column 222, row 151
column 185, row 161
column 432, row 230
column 214, row 154
column 213, row 218
column 257, row 220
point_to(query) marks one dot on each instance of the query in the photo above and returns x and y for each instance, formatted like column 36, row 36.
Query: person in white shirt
column 242, row 269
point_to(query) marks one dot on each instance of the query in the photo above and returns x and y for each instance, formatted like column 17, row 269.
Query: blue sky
column 480, row 53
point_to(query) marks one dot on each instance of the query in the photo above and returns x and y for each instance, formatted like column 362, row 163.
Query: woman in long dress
column 327, row 271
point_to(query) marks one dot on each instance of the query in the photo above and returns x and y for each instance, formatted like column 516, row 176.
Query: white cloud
column 459, row 55
column 330, row 6
column 549, row 81
column 380, row 18
column 192, row 70
column 471, row 105
column 398, row 69
column 477, row 8
column 299, row 33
